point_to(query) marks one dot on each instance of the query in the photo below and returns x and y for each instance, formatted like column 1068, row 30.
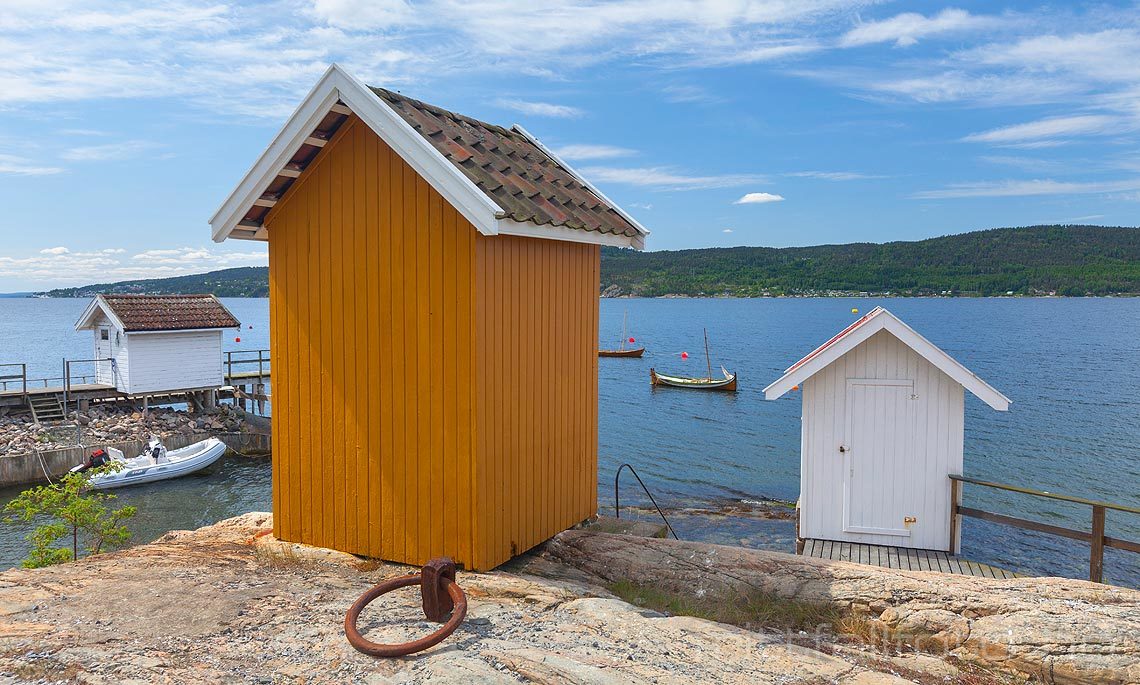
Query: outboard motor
column 157, row 450
column 97, row 458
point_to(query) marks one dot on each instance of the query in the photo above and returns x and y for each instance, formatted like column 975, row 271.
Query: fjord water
column 1071, row 367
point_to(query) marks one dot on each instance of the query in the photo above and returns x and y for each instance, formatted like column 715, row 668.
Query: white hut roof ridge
column 871, row 323
column 158, row 313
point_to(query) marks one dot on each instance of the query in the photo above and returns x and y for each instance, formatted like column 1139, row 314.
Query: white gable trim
column 879, row 320
column 337, row 84
column 97, row 305
column 573, row 235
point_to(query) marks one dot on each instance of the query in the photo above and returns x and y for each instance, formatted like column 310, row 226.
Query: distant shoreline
column 680, row 296
column 1034, row 261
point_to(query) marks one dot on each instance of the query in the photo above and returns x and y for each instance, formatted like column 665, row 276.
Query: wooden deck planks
column 902, row 558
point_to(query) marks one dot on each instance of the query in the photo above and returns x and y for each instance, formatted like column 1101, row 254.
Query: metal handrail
column 261, row 360
column 67, row 375
column 22, row 376
column 1095, row 537
column 617, row 500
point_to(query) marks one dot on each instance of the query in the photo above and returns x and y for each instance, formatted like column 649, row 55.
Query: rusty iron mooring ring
column 441, row 596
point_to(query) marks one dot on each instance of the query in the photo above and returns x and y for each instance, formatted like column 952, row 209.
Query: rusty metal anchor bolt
column 441, row 596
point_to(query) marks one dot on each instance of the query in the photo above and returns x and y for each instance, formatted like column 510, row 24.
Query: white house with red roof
column 148, row 344
column 882, row 429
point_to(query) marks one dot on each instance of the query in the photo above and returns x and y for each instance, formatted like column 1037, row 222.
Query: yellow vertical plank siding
column 536, row 375
column 435, row 390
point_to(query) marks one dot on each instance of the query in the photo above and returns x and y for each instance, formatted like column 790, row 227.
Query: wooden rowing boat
column 632, row 352
column 728, row 382
column 621, row 351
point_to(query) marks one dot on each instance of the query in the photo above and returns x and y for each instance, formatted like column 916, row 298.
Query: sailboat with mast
column 622, row 351
column 727, row 382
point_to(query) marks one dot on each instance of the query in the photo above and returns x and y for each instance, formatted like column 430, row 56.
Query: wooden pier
column 45, row 398
column 902, row 558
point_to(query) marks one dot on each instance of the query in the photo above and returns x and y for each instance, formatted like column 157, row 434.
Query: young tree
column 69, row 507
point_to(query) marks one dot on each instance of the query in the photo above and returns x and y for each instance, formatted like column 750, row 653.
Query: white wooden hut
column 157, row 343
column 882, row 429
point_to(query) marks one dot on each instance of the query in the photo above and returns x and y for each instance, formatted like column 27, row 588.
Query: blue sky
column 789, row 122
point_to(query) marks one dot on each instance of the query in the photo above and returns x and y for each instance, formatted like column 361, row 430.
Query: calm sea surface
column 1071, row 367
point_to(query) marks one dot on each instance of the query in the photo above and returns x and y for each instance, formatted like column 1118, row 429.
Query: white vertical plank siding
column 116, row 348
column 173, row 361
column 931, row 430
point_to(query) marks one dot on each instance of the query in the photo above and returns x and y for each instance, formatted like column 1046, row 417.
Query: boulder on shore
column 228, row 603
column 1055, row 630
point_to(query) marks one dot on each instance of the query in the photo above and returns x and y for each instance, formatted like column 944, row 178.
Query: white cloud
column 540, row 109
column 1052, row 129
column 257, row 59
column 586, row 151
column 108, row 152
column 681, row 93
column 835, row 175
column 1027, row 164
column 762, row 53
column 82, row 132
column 1027, row 188
column 758, row 198
column 727, row 230
column 966, row 85
column 55, row 266
column 357, row 14
column 664, row 178
column 1106, row 56
column 906, row 29
column 18, row 166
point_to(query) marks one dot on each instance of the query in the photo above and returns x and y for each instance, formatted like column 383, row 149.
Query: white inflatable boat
column 155, row 463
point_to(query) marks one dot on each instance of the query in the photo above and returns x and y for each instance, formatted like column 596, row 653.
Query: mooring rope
column 43, row 466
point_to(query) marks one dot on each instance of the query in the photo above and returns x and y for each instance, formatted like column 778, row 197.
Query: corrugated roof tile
column 170, row 312
column 528, row 184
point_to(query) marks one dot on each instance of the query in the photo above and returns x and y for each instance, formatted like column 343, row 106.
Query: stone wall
column 20, row 469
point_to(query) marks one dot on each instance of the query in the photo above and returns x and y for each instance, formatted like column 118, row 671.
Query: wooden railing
column 248, row 357
column 69, row 378
column 1096, row 538
column 14, row 378
column 14, row 381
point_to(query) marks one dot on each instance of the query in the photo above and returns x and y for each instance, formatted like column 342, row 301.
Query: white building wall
column 178, row 360
column 934, row 435
column 118, row 373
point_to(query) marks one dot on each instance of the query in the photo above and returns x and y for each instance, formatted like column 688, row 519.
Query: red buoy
column 684, row 355
column 632, row 340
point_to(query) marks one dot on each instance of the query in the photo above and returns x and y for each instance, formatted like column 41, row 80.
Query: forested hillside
column 1064, row 260
column 246, row 281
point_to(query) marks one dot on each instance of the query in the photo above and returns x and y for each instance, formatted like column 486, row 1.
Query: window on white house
column 104, row 334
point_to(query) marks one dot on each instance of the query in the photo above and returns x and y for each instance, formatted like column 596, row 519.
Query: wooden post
column 1096, row 555
column 955, row 518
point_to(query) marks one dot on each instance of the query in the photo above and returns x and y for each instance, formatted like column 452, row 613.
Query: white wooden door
column 103, row 374
column 879, row 469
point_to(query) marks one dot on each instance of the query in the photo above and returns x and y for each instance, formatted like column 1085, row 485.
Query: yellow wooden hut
column 434, row 310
